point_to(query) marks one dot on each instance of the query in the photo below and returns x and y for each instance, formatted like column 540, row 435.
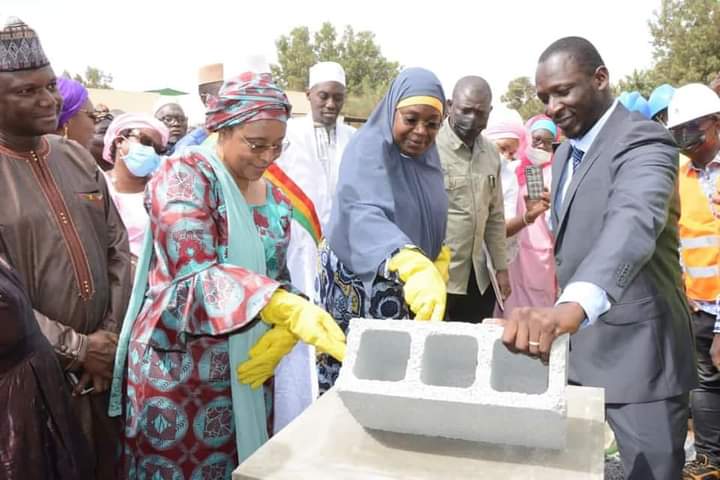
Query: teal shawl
column 245, row 249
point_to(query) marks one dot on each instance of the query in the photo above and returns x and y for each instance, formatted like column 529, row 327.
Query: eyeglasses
column 101, row 115
column 539, row 142
column 170, row 119
column 691, row 126
column 413, row 122
column 92, row 114
column 691, row 134
column 276, row 149
column 148, row 142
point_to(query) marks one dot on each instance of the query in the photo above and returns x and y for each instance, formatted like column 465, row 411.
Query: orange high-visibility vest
column 699, row 239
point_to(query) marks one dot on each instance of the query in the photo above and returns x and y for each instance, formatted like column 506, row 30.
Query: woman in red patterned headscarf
column 211, row 279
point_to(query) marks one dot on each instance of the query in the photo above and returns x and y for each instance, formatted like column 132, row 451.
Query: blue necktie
column 577, row 156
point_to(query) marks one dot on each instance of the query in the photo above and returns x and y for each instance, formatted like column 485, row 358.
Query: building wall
column 149, row 102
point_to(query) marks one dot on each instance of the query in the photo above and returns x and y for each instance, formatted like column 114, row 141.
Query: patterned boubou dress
column 344, row 296
column 179, row 418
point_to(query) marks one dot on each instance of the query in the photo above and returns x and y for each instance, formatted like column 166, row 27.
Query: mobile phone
column 73, row 379
column 535, row 186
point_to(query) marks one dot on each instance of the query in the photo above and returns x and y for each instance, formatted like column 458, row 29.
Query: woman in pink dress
column 532, row 272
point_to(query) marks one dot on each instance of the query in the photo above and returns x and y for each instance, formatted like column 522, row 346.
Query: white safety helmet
column 691, row 102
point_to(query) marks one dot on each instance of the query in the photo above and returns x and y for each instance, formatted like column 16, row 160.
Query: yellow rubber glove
column 425, row 290
column 442, row 263
column 265, row 355
column 309, row 322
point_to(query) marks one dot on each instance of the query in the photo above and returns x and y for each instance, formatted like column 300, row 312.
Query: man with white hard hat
column 694, row 120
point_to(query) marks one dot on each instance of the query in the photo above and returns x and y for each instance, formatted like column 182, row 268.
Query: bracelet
column 525, row 219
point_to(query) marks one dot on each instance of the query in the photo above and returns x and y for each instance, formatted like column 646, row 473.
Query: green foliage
column 295, row 56
column 522, row 96
column 94, row 78
column 686, row 46
column 361, row 105
column 643, row 81
column 686, row 41
column 368, row 73
column 366, row 69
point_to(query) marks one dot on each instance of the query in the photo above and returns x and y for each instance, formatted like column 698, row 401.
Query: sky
column 152, row 44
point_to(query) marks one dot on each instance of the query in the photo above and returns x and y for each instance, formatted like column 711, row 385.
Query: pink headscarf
column 128, row 121
column 522, row 155
column 506, row 129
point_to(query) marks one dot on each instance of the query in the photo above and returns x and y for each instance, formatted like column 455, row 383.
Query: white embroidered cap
column 326, row 72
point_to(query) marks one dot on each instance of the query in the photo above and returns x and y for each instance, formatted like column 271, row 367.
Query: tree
column 368, row 73
column 94, row 78
column 522, row 96
column 643, row 81
column 686, row 46
column 686, row 41
column 325, row 45
column 295, row 57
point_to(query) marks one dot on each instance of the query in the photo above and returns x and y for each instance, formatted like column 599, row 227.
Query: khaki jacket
column 476, row 213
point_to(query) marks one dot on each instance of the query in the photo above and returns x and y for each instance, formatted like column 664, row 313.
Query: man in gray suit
column 615, row 212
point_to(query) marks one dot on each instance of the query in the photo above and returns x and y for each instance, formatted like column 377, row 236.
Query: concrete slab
column 327, row 443
column 453, row 380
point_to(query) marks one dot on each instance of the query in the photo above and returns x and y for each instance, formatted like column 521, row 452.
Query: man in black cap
column 63, row 235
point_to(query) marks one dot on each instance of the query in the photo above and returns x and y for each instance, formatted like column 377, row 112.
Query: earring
column 65, row 131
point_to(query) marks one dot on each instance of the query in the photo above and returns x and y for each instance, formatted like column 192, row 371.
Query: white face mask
column 538, row 156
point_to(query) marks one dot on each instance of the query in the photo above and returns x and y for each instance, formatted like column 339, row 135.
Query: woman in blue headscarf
column 388, row 220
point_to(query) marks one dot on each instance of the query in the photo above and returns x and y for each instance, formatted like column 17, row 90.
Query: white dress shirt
column 593, row 299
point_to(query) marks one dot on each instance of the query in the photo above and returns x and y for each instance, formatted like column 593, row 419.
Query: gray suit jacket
column 617, row 228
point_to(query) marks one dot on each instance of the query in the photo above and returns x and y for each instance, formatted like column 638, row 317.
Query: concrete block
column 453, row 380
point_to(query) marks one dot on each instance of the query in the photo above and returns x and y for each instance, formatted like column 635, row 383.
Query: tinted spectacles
column 691, row 133
column 276, row 149
column 101, row 115
column 413, row 122
column 148, row 142
column 170, row 119
column 92, row 114
column 546, row 143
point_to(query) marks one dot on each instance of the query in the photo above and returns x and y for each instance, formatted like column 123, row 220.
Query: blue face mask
column 141, row 160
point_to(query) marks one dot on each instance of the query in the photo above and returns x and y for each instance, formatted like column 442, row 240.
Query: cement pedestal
column 326, row 442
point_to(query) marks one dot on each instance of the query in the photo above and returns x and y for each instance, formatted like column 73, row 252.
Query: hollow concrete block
column 453, row 380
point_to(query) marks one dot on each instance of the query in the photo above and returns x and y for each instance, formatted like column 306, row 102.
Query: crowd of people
column 171, row 296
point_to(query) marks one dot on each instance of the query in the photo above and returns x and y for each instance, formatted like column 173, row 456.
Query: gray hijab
column 385, row 200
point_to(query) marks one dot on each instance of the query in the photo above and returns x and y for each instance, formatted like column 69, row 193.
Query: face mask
column 538, row 156
column 687, row 140
column 463, row 126
column 141, row 160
